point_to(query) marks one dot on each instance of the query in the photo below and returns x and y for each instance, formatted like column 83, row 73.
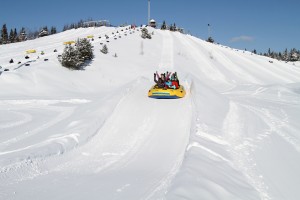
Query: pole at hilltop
column 208, row 30
column 148, row 23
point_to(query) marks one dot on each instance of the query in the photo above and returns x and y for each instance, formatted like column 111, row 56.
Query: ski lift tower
column 148, row 22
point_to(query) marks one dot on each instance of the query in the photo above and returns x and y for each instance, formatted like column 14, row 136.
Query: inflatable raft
column 162, row 93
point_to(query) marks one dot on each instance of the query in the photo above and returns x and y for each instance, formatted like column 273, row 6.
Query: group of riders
column 166, row 80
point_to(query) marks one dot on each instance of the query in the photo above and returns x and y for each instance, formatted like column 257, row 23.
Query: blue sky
column 256, row 24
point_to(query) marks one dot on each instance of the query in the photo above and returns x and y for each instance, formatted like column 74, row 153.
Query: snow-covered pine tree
column 66, row 27
column 85, row 49
column 16, row 38
column 104, row 49
column 4, row 34
column 293, row 55
column 53, row 30
column 11, row 36
column 279, row 56
column 210, row 39
column 269, row 52
column 22, row 35
column 70, row 58
column 43, row 32
column 164, row 26
column 173, row 27
column 145, row 34
column 285, row 55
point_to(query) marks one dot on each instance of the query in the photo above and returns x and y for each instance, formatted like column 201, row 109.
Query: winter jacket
column 176, row 84
column 160, row 83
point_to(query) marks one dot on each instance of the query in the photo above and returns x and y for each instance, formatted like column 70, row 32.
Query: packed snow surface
column 95, row 134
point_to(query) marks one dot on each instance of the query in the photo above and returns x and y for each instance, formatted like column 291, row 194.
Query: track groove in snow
column 167, row 60
column 129, row 139
column 241, row 149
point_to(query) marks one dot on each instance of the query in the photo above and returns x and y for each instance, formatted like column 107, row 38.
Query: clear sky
column 256, row 24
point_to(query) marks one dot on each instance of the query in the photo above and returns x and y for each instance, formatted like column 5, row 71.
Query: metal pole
column 148, row 12
column 208, row 29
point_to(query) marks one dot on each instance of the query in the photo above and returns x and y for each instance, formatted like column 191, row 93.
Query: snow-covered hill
column 94, row 133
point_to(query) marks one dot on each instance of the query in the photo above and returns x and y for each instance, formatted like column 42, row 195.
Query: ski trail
column 228, row 66
column 167, row 57
column 247, row 67
column 26, row 117
column 205, row 65
column 234, row 127
column 136, row 137
column 277, row 125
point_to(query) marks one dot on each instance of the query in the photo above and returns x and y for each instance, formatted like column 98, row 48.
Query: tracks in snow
column 236, row 132
column 167, row 57
column 136, row 153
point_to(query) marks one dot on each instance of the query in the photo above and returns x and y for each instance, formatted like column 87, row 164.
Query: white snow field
column 95, row 134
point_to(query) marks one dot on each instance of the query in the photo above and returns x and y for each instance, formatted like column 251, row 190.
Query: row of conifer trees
column 286, row 55
column 13, row 35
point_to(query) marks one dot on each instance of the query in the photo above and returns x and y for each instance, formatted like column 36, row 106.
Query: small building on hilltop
column 152, row 23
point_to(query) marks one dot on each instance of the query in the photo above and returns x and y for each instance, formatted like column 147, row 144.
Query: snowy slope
column 95, row 134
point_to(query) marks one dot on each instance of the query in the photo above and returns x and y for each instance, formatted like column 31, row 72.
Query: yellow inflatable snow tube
column 69, row 42
column 162, row 93
column 30, row 51
column 90, row 36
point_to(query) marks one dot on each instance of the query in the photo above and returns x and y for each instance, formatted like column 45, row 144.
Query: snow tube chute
column 30, row 51
column 162, row 93
column 69, row 42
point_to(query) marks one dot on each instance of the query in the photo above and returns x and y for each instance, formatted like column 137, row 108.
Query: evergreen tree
column 4, row 34
column 104, row 49
column 43, row 32
column 85, row 49
column 80, row 24
column 22, row 35
column 33, row 34
column 53, row 30
column 210, row 39
column 269, row 52
column 274, row 55
column 293, row 55
column 173, row 27
column 11, row 36
column 145, row 34
column 279, row 56
column 70, row 58
column 74, row 57
column 16, row 38
column 163, row 26
column 66, row 27
column 285, row 55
